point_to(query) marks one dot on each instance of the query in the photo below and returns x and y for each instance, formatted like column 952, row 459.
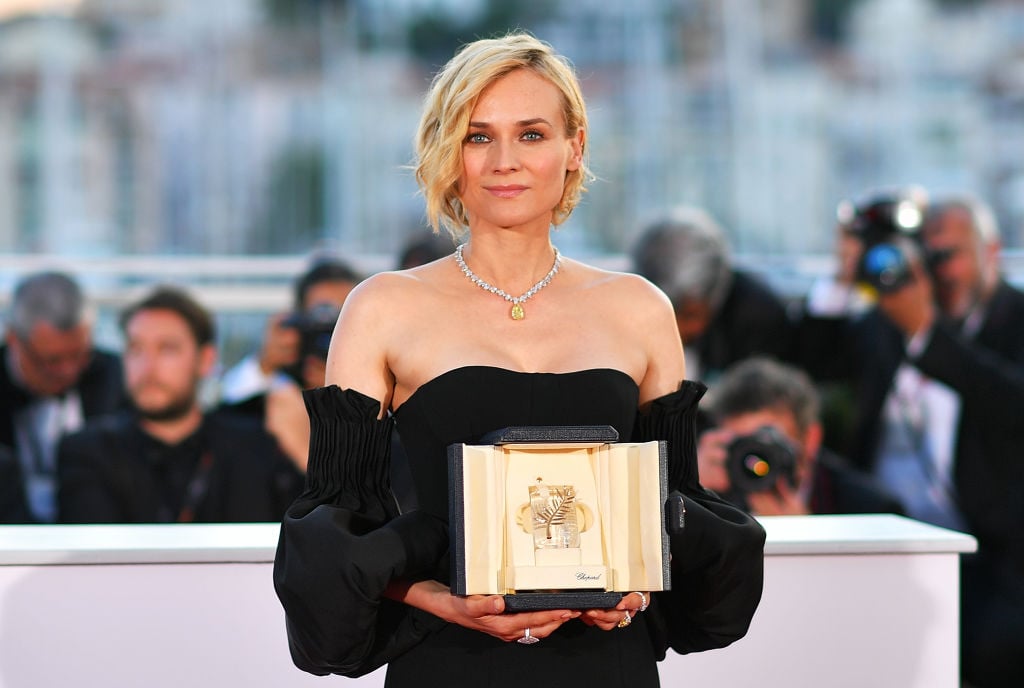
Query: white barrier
column 848, row 601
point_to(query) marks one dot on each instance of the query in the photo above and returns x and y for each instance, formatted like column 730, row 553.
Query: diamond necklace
column 517, row 311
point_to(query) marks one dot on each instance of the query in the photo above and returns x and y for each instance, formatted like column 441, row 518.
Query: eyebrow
column 520, row 123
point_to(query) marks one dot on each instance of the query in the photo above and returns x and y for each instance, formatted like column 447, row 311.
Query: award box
column 558, row 517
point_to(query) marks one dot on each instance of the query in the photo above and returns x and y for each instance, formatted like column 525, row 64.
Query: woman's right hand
column 482, row 613
column 485, row 613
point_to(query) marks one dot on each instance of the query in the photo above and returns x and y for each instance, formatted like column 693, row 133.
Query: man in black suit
column 51, row 380
column 938, row 371
column 724, row 314
column 764, row 452
column 167, row 460
column 12, row 497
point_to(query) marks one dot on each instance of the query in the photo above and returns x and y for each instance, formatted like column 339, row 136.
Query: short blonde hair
column 449, row 104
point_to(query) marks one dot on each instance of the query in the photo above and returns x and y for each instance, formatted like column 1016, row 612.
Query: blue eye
column 532, row 135
column 477, row 138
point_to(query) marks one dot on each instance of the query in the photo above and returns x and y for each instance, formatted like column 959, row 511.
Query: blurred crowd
column 95, row 436
column 890, row 387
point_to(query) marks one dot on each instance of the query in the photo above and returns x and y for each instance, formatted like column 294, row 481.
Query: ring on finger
column 643, row 601
column 626, row 620
column 528, row 639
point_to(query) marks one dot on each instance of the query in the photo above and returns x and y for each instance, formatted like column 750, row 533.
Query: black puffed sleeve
column 343, row 542
column 717, row 556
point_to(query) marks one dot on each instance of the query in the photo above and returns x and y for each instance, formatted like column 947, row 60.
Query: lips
column 506, row 191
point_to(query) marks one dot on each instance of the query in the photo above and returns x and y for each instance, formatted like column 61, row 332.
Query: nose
column 504, row 157
column 139, row 365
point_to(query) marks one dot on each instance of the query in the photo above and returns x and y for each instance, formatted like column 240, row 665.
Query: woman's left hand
column 609, row 619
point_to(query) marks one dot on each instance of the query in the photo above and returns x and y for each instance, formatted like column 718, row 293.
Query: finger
column 479, row 606
column 541, row 624
column 605, row 619
column 631, row 601
column 618, row 621
column 539, row 631
column 556, row 616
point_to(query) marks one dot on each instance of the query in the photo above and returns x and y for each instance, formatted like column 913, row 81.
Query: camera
column 888, row 226
column 315, row 326
column 757, row 461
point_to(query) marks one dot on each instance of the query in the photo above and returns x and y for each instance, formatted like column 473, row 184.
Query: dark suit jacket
column 752, row 320
column 12, row 494
column 101, row 389
column 987, row 372
column 113, row 472
column 839, row 488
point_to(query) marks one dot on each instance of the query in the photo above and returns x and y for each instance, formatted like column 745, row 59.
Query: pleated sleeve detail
column 349, row 453
column 342, row 543
column 673, row 417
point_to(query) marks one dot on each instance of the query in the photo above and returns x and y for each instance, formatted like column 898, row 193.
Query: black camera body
column 756, row 462
column 315, row 326
column 888, row 226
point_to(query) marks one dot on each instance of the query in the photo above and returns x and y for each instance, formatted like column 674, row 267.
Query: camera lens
column 885, row 223
column 886, row 267
column 755, row 462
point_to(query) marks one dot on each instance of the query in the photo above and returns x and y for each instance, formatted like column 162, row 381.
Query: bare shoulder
column 385, row 307
column 626, row 295
column 369, row 327
column 642, row 322
column 383, row 295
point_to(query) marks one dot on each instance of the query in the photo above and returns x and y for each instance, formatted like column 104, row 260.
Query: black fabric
column 113, row 472
column 339, row 548
column 12, row 494
column 465, row 404
column 334, row 561
column 401, row 481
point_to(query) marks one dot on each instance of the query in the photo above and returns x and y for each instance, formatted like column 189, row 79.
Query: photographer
column 938, row 371
column 292, row 357
column 324, row 286
column 764, row 452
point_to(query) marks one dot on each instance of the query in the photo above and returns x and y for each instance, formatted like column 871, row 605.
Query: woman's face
column 516, row 153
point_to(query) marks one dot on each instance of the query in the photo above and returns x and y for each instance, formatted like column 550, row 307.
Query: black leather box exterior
column 540, row 599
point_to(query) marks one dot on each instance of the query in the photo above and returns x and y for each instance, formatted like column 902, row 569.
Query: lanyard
column 197, row 488
column 195, row 491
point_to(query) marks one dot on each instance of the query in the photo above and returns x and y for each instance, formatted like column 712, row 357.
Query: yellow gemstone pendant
column 517, row 312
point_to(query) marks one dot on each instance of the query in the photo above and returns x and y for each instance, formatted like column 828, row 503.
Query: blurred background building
column 221, row 142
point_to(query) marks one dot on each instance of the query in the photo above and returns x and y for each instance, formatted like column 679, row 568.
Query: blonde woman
column 505, row 332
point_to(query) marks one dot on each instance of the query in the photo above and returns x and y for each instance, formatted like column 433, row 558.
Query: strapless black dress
column 464, row 404
column 343, row 541
column 461, row 406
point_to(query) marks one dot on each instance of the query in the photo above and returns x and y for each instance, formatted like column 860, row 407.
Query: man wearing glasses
column 51, row 380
